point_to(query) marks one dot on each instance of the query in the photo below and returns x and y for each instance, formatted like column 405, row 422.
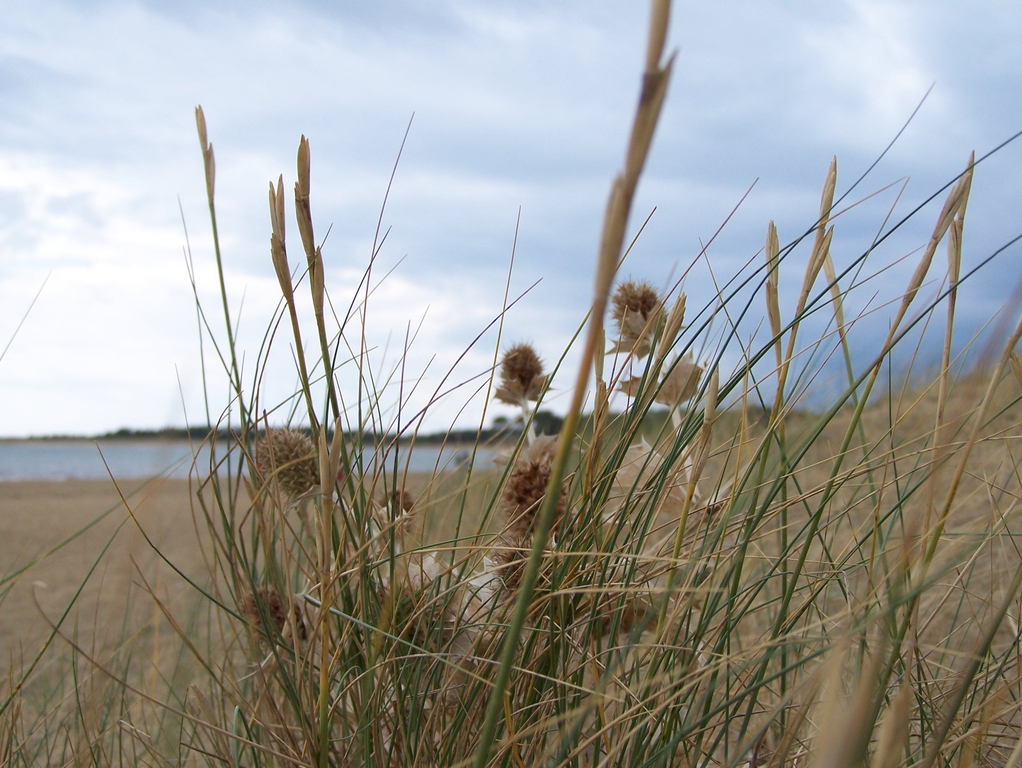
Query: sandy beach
column 52, row 533
column 57, row 531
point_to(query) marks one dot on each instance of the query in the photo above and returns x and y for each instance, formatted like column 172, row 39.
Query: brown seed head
column 525, row 490
column 507, row 560
column 266, row 602
column 635, row 298
column 521, row 375
column 635, row 308
column 290, row 454
column 401, row 501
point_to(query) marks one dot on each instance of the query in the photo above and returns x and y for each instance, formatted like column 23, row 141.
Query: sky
column 521, row 114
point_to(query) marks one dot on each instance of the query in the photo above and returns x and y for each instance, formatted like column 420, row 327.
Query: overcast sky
column 516, row 105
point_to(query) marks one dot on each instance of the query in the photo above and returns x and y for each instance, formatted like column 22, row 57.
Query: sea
column 74, row 459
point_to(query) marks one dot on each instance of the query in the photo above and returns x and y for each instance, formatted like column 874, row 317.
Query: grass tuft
column 707, row 567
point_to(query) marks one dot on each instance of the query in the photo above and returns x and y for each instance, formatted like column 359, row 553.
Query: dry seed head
column 507, row 559
column 635, row 298
column 278, row 251
column 521, row 376
column 636, row 309
column 672, row 327
column 820, row 250
column 827, row 198
column 658, row 23
column 521, row 364
column 302, row 188
column 523, row 494
column 291, row 456
column 400, row 501
column 835, row 291
column 954, row 250
column 266, row 602
column 773, row 264
column 712, row 392
column 200, row 124
column 401, row 505
column 1016, row 367
column 956, row 201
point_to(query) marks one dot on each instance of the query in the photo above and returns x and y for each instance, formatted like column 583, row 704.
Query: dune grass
column 707, row 568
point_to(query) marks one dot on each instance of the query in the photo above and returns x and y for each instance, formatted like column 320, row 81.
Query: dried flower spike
column 636, row 308
column 291, row 456
column 521, row 376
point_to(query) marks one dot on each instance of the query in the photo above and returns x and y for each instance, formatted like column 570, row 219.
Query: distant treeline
column 502, row 429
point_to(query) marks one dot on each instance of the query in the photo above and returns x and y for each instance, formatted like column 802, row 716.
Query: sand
column 59, row 531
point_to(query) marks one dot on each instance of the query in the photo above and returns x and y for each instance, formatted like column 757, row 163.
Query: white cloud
column 516, row 105
column 865, row 72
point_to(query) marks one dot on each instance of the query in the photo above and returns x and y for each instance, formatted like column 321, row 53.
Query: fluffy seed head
column 635, row 298
column 636, row 309
column 266, row 602
column 400, row 501
column 290, row 454
column 525, row 489
column 507, row 561
column 521, row 376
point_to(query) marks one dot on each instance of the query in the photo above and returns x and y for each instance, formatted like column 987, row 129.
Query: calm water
column 140, row 459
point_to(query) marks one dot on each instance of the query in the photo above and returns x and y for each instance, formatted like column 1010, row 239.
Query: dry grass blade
column 772, row 280
column 894, row 729
column 963, row 686
column 847, row 726
column 1016, row 367
column 835, row 290
column 955, row 202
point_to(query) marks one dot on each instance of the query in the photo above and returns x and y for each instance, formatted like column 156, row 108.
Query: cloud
column 516, row 106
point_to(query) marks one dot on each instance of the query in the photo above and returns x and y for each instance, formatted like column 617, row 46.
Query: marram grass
column 714, row 572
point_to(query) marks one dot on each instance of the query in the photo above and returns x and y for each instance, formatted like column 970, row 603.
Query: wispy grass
column 712, row 572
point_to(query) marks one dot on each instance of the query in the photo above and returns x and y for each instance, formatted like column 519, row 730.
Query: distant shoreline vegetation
column 502, row 430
